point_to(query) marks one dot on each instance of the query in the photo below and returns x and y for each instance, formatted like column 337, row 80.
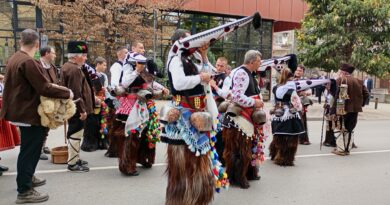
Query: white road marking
column 164, row 164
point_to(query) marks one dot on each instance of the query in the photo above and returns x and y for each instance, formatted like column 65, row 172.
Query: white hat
column 133, row 57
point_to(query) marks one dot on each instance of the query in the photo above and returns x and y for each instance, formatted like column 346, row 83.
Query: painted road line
column 164, row 164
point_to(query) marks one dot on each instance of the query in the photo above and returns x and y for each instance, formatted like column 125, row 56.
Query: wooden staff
column 65, row 122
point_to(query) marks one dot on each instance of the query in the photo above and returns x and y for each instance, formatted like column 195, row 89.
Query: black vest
column 219, row 81
column 286, row 98
column 189, row 70
column 138, row 82
column 253, row 87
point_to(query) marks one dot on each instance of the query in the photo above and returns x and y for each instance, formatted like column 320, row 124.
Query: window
column 232, row 46
column 26, row 16
column 6, row 15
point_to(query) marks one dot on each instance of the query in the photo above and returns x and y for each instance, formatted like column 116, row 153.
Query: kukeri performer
column 193, row 168
column 350, row 98
column 286, row 120
column 76, row 78
column 242, row 134
column 138, row 129
column 286, row 123
column 190, row 173
column 95, row 134
column 116, row 71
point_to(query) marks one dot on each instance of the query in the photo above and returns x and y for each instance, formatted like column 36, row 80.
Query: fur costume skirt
column 115, row 132
column 190, row 180
column 134, row 149
column 92, row 136
column 237, row 155
column 283, row 149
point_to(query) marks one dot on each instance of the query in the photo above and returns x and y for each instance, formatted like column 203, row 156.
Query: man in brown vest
column 48, row 56
column 24, row 84
column 349, row 104
column 77, row 79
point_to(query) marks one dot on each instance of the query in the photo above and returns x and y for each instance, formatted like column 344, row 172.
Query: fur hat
column 77, row 47
column 347, row 68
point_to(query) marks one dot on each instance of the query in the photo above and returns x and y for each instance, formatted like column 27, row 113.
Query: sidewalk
column 369, row 112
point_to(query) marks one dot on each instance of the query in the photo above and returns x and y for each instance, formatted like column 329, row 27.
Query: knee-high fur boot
column 129, row 155
column 146, row 154
column 292, row 145
column 286, row 149
column 114, row 138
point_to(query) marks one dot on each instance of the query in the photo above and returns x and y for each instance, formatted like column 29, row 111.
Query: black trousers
column 91, row 133
column 32, row 139
column 304, row 137
column 350, row 121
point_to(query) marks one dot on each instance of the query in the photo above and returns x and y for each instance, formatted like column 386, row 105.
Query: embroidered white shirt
column 182, row 82
column 240, row 85
column 116, row 71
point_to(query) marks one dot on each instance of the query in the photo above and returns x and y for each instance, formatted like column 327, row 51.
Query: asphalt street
column 318, row 178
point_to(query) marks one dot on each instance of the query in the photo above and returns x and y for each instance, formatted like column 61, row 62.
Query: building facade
column 196, row 16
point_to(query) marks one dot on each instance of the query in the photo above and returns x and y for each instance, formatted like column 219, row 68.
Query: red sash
column 248, row 111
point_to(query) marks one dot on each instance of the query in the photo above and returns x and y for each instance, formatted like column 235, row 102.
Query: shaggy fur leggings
column 132, row 150
column 238, row 155
column 190, row 180
column 283, row 149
